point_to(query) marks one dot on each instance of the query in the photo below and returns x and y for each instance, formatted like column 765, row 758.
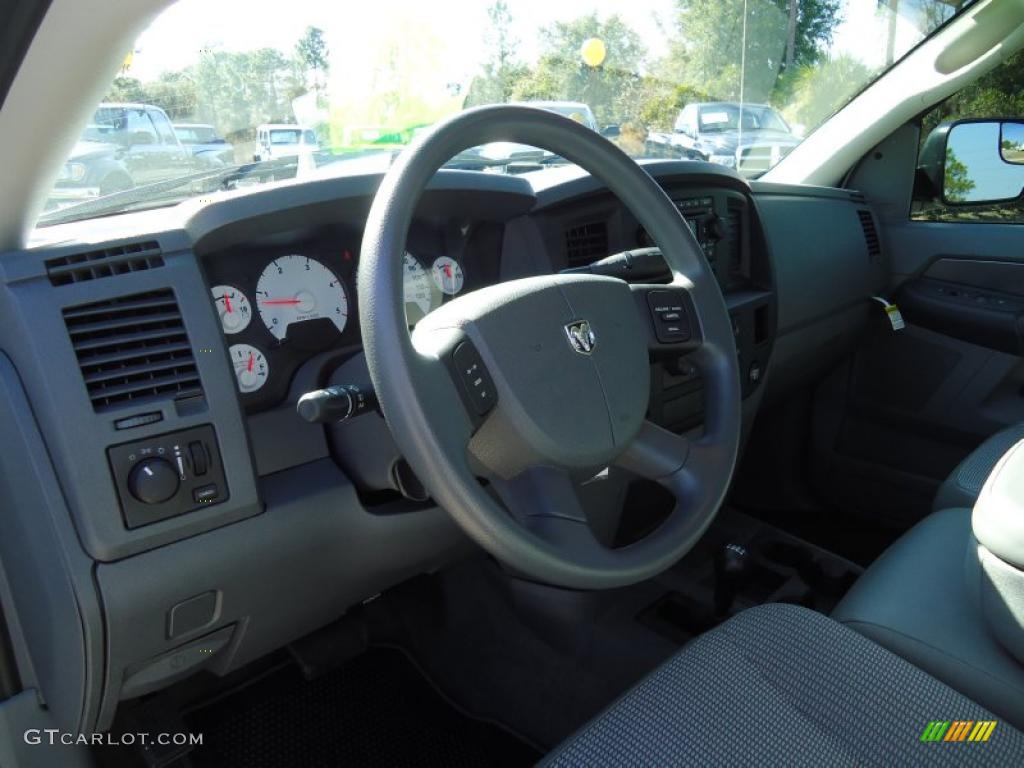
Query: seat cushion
column 782, row 685
column 963, row 485
column 921, row 600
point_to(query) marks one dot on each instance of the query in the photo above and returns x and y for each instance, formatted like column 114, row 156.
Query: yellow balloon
column 593, row 52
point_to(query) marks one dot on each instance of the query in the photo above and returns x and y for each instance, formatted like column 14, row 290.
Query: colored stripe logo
column 958, row 730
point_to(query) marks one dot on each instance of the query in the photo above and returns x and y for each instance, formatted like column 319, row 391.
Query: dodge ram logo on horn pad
column 581, row 338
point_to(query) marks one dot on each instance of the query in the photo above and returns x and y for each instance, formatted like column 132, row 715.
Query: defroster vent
column 133, row 348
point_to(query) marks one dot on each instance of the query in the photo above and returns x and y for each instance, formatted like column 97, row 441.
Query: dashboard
column 168, row 496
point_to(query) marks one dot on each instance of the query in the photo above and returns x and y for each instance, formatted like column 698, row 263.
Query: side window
column 163, row 127
column 138, row 123
column 970, row 164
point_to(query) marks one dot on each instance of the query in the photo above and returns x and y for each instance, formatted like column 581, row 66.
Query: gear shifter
column 732, row 568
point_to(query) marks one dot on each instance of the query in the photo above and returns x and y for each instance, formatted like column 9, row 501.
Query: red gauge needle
column 280, row 302
column 448, row 271
column 251, row 361
column 227, row 302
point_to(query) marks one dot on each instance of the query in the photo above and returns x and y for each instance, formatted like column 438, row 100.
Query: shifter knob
column 732, row 567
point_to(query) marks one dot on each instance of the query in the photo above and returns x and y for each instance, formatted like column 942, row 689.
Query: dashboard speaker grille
column 106, row 262
column 585, row 243
column 867, row 223
column 133, row 348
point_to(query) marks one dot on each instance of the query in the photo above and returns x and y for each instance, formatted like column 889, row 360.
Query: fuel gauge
column 251, row 368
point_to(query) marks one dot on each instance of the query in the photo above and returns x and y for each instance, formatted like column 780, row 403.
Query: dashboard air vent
column 106, row 262
column 867, row 223
column 133, row 348
column 585, row 243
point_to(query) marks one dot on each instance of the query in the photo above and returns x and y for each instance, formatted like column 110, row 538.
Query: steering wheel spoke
column 545, row 502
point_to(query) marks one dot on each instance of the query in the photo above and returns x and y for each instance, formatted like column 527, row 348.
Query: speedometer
column 418, row 289
column 294, row 289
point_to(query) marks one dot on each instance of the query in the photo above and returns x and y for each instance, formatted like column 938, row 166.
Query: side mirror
column 970, row 162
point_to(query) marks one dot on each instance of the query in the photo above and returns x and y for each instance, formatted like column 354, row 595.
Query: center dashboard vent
column 585, row 243
column 105, row 262
column 867, row 223
column 133, row 348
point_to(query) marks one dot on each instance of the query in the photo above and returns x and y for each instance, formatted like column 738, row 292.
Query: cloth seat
column 964, row 483
column 782, row 685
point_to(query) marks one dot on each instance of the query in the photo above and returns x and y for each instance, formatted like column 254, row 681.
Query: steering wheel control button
column 164, row 476
column 476, row 381
column 153, row 481
column 668, row 313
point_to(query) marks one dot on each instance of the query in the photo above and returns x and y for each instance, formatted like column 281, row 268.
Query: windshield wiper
column 166, row 192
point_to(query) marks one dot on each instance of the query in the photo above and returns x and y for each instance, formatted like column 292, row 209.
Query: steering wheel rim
column 416, row 382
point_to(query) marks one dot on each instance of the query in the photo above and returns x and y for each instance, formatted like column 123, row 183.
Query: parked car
column 748, row 137
column 575, row 110
column 125, row 145
column 204, row 142
column 277, row 140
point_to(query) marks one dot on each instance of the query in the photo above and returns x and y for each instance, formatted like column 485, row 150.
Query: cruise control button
column 671, row 325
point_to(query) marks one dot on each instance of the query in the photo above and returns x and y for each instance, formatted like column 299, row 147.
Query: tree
column 818, row 91
column 957, row 184
column 612, row 89
column 312, row 54
column 713, row 44
column 503, row 69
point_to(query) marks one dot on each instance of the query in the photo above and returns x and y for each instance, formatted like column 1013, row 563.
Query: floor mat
column 376, row 710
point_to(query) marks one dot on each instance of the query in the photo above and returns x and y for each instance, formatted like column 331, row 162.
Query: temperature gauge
column 233, row 308
column 251, row 368
column 447, row 275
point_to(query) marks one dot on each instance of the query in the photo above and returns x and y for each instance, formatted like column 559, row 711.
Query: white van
column 277, row 140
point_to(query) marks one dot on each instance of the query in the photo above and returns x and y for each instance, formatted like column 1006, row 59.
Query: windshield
column 306, row 88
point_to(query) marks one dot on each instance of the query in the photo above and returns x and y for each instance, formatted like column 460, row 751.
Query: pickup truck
column 204, row 142
column 123, row 146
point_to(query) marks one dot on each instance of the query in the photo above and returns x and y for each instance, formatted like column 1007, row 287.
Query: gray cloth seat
column 964, row 483
column 921, row 599
column 782, row 685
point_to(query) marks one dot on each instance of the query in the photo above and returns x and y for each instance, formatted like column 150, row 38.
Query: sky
column 442, row 39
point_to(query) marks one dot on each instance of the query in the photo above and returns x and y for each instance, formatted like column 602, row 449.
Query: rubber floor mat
column 377, row 710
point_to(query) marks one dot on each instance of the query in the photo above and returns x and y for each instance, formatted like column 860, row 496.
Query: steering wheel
column 538, row 383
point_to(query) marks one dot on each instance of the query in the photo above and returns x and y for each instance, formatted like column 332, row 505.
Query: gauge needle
column 448, row 271
column 280, row 302
column 227, row 302
column 251, row 361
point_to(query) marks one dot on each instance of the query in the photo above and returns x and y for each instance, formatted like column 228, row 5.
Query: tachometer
column 233, row 308
column 251, row 368
column 417, row 288
column 293, row 289
column 447, row 275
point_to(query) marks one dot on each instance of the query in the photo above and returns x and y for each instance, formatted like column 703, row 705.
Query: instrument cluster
column 280, row 305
